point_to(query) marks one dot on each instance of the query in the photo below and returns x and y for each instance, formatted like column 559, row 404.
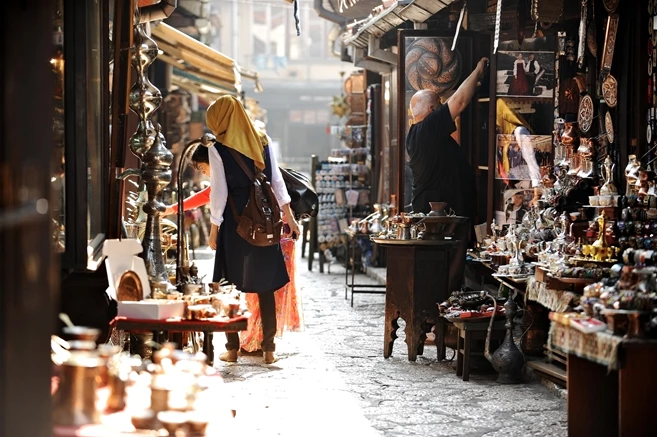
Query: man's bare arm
column 461, row 98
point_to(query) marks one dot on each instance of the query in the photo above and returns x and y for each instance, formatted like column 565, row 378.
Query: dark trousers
column 463, row 233
column 268, row 314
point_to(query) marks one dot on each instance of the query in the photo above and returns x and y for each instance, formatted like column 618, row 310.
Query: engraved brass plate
column 610, row 91
column 609, row 127
column 130, row 288
column 585, row 114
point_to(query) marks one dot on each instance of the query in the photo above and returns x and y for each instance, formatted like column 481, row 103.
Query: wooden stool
column 469, row 331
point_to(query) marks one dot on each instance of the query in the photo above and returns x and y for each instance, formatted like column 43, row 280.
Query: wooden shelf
column 551, row 371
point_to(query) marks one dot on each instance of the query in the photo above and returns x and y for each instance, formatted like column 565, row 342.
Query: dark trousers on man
column 268, row 315
column 463, row 233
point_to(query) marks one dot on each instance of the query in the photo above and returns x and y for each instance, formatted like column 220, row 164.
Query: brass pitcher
column 75, row 399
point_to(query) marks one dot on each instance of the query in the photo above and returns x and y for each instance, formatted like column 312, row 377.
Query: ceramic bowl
column 143, row 419
column 81, row 333
column 604, row 200
column 172, row 421
column 197, row 422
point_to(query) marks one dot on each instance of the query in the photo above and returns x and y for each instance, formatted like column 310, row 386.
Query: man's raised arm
column 461, row 98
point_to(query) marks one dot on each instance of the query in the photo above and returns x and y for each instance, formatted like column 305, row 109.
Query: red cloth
column 196, row 200
column 172, row 324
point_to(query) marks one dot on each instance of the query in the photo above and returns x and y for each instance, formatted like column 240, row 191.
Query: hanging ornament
column 339, row 106
column 592, row 37
column 459, row 24
column 498, row 23
column 581, row 48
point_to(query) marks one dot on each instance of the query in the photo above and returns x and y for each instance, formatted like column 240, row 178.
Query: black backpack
column 305, row 202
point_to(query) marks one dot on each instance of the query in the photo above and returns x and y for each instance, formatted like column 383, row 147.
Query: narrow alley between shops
column 331, row 379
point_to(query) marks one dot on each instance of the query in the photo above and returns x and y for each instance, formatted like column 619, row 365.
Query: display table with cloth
column 416, row 282
column 235, row 324
column 611, row 382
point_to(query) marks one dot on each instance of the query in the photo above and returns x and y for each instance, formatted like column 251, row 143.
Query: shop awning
column 198, row 64
column 206, row 90
column 415, row 10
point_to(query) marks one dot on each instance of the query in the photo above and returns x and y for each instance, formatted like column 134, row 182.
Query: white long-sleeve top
column 219, row 193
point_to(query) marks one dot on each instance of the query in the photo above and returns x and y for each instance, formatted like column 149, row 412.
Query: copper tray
column 130, row 287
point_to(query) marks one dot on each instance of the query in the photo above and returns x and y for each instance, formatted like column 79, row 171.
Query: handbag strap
column 249, row 174
column 242, row 164
column 233, row 208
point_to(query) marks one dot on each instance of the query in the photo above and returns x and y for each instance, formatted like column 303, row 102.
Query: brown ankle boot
column 270, row 358
column 230, row 356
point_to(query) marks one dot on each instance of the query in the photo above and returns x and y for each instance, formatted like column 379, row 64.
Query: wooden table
column 178, row 325
column 613, row 399
column 416, row 282
column 470, row 331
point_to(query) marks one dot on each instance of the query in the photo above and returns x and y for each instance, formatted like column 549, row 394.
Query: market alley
column 332, row 380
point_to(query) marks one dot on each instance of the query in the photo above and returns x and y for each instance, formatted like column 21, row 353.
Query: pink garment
column 289, row 316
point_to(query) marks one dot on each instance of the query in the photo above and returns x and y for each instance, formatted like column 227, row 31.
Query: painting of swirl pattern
column 431, row 64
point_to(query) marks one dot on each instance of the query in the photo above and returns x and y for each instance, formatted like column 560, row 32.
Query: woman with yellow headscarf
column 252, row 269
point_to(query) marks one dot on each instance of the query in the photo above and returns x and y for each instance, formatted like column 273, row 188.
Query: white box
column 151, row 309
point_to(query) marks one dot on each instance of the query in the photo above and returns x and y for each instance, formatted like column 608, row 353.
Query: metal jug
column 507, row 360
column 74, row 403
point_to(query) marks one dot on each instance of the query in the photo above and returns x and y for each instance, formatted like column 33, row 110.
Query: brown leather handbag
column 260, row 223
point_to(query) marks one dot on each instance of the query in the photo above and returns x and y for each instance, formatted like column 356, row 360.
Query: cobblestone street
column 331, row 379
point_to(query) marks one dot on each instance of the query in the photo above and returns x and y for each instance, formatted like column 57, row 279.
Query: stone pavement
column 332, row 380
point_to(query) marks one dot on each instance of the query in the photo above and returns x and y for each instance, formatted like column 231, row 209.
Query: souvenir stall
column 571, row 200
column 571, row 230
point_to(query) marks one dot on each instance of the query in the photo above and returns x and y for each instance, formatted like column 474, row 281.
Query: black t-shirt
column 441, row 173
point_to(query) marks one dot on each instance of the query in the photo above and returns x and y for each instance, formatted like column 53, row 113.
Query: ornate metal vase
column 149, row 145
column 507, row 360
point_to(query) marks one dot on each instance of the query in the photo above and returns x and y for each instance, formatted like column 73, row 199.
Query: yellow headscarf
column 229, row 122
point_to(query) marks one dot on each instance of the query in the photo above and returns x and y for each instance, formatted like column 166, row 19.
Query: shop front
column 98, row 94
column 560, row 134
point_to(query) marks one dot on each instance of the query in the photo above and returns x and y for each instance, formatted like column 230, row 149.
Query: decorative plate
column 650, row 66
column 130, row 287
column 610, row 5
column 609, row 88
column 650, row 26
column 649, row 134
column 609, row 127
column 585, row 114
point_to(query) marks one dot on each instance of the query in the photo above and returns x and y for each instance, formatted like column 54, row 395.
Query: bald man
column 441, row 172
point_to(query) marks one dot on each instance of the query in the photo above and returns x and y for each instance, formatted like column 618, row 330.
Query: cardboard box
column 151, row 309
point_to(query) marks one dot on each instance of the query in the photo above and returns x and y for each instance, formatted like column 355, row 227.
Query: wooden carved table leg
column 208, row 348
column 466, row 355
column 390, row 331
column 414, row 334
column 459, row 355
column 439, row 330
